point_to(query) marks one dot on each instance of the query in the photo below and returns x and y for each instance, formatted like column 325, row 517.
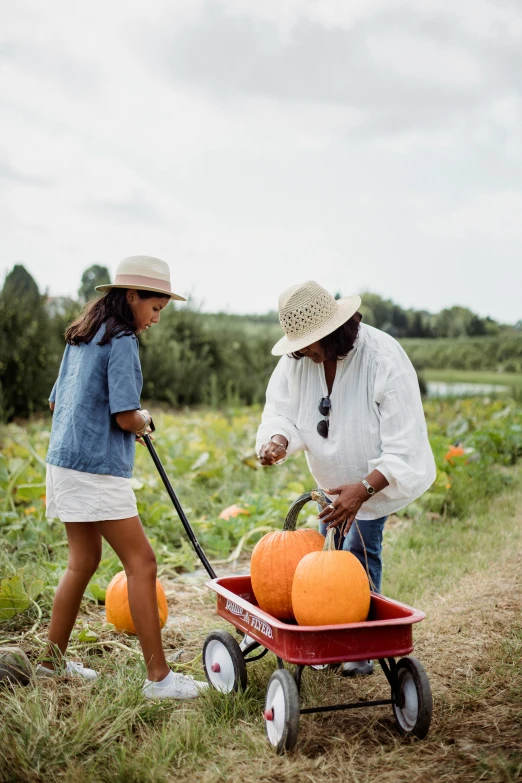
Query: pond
column 462, row 389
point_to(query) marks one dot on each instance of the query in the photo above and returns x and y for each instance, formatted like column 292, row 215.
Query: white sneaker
column 355, row 668
column 174, row 686
column 74, row 668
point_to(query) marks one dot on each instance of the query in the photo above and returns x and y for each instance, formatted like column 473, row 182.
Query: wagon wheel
column 223, row 662
column 282, row 711
column 415, row 703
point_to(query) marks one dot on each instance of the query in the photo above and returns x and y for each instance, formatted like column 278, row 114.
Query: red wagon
column 384, row 636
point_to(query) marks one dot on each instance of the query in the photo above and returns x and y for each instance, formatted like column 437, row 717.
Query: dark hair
column 339, row 343
column 111, row 309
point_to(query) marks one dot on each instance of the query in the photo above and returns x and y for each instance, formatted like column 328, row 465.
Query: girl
column 97, row 419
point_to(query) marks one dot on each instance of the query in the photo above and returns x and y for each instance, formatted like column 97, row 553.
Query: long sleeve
column 279, row 415
column 403, row 460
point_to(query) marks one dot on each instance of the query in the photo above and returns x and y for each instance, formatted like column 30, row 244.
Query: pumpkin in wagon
column 117, row 609
column 330, row 587
column 274, row 560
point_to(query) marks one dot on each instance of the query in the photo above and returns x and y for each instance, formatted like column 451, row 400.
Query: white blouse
column 376, row 421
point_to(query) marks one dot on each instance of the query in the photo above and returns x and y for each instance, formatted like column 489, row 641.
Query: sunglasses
column 324, row 409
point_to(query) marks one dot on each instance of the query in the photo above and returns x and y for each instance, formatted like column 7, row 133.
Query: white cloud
column 497, row 216
column 418, row 58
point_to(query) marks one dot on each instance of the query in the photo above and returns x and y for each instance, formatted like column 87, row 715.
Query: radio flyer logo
column 255, row 622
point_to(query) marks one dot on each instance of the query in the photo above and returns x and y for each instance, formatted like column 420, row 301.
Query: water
column 461, row 389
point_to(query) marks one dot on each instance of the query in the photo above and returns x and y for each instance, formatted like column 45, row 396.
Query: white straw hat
column 143, row 273
column 308, row 313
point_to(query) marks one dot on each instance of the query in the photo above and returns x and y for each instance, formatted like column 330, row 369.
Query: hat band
column 151, row 282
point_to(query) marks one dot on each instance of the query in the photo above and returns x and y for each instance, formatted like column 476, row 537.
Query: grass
column 431, row 554
column 466, row 575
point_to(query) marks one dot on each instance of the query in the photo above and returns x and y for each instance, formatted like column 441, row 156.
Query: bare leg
column 128, row 539
column 85, row 546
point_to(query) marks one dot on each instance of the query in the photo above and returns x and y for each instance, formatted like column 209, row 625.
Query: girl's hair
column 113, row 310
column 339, row 343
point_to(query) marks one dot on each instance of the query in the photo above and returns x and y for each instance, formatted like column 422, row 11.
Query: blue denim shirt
column 96, row 382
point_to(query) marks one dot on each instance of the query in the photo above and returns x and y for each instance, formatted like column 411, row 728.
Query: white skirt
column 75, row 496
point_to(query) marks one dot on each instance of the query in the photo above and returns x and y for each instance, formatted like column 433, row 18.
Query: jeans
column 371, row 532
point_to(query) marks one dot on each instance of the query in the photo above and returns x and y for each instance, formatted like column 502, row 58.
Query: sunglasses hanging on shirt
column 324, row 409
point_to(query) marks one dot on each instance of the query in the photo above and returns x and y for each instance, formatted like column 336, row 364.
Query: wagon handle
column 177, row 505
column 293, row 512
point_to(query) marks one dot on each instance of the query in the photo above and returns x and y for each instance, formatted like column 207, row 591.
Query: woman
column 348, row 395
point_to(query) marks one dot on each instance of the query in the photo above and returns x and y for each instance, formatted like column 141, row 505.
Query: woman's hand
column 272, row 452
column 344, row 510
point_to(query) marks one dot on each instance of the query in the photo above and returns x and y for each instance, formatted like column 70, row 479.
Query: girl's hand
column 147, row 418
column 272, row 452
column 344, row 510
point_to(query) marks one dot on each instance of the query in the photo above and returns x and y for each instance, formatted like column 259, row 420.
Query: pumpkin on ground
column 233, row 511
column 117, row 610
column 15, row 667
column 454, row 451
column 330, row 587
column 274, row 560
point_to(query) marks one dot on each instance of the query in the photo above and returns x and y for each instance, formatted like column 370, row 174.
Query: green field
column 460, row 530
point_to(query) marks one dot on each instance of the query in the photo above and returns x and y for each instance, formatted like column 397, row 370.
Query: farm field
column 456, row 554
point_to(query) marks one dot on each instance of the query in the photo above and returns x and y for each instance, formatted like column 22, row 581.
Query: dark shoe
column 356, row 668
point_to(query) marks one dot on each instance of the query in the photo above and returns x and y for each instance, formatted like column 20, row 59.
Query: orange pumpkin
column 233, row 511
column 330, row 587
column 272, row 567
column 454, row 451
column 117, row 610
column 275, row 558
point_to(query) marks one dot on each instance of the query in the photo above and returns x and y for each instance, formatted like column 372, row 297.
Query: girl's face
column 314, row 352
column 145, row 311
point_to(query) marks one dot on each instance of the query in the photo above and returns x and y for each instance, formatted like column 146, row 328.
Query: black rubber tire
column 283, row 730
column 224, row 646
column 414, row 717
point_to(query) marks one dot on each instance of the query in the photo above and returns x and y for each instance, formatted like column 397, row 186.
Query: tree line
column 195, row 358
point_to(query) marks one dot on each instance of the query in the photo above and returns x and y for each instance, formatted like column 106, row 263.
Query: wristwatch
column 369, row 489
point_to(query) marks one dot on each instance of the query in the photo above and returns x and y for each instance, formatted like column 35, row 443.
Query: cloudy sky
column 367, row 144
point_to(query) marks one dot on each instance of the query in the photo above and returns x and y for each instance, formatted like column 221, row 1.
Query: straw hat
column 308, row 313
column 143, row 273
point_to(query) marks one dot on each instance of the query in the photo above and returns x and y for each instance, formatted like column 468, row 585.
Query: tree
column 20, row 285
column 27, row 369
column 93, row 276
column 477, row 327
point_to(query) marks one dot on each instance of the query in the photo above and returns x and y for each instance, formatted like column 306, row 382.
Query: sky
column 371, row 145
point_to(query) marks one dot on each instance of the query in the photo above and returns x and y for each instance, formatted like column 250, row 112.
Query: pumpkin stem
column 329, row 544
column 297, row 505
column 293, row 512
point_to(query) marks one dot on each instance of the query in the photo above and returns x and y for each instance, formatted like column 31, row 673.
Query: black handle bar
column 177, row 505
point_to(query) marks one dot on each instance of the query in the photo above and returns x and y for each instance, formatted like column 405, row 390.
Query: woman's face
column 146, row 312
column 314, row 352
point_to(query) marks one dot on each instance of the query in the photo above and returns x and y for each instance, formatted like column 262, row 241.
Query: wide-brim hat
column 307, row 313
column 143, row 273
